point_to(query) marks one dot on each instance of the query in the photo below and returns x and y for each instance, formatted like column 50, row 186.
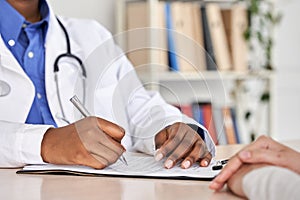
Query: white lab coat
column 114, row 93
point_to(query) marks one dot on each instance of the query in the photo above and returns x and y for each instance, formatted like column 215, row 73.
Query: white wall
column 286, row 54
column 287, row 62
column 101, row 10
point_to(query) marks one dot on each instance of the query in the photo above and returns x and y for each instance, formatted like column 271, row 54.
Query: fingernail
column 204, row 163
column 186, row 164
column 213, row 185
column 158, row 156
column 168, row 164
column 245, row 155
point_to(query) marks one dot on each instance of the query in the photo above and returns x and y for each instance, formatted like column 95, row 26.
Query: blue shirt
column 26, row 42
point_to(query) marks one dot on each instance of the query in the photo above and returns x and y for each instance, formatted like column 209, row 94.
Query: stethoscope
column 56, row 70
column 5, row 88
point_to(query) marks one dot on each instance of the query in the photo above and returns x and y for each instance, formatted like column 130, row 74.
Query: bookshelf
column 155, row 79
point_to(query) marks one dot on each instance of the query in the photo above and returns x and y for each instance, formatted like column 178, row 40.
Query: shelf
column 211, row 75
column 175, row 84
column 208, row 1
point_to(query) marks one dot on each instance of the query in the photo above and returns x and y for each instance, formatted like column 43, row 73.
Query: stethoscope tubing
column 56, row 69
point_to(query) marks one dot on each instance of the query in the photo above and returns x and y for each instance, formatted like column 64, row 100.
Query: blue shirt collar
column 11, row 21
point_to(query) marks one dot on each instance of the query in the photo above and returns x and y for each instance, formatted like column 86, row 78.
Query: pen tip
column 124, row 161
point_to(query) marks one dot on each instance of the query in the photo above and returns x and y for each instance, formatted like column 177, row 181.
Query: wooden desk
column 50, row 187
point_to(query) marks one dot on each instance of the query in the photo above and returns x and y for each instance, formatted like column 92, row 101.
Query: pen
column 76, row 102
column 223, row 162
column 219, row 164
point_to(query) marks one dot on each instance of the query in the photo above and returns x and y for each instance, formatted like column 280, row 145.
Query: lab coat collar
column 19, row 82
column 7, row 60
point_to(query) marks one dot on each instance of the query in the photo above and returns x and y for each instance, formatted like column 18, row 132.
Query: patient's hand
column 264, row 150
column 235, row 182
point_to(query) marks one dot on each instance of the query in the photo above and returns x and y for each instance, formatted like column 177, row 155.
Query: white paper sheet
column 139, row 165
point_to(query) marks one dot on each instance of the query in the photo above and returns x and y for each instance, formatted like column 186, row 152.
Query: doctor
column 38, row 123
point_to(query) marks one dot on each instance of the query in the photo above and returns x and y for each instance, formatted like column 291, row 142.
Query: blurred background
column 285, row 106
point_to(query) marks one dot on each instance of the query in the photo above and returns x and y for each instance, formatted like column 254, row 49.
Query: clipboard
column 139, row 166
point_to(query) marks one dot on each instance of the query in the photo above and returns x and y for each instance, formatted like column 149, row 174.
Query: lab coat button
column 11, row 43
column 39, row 96
column 30, row 54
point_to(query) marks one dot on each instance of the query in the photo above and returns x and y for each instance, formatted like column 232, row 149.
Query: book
column 235, row 125
column 228, row 126
column 187, row 36
column 187, row 110
column 209, row 121
column 138, row 33
column 199, row 49
column 218, row 37
column 195, row 109
column 219, row 124
column 236, row 23
column 139, row 166
column 201, row 116
column 172, row 57
column 209, row 55
column 197, row 113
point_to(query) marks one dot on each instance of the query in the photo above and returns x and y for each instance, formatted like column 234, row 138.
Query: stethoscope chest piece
column 4, row 88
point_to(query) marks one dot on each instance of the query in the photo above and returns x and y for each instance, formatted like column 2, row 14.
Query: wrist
column 45, row 144
column 199, row 130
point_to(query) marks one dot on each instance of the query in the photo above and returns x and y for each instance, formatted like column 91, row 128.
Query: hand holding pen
column 105, row 145
column 91, row 141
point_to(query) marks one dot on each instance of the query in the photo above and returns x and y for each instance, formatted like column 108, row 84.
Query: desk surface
column 45, row 187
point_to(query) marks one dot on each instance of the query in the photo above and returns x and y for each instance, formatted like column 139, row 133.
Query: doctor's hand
column 91, row 142
column 179, row 141
column 264, row 150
